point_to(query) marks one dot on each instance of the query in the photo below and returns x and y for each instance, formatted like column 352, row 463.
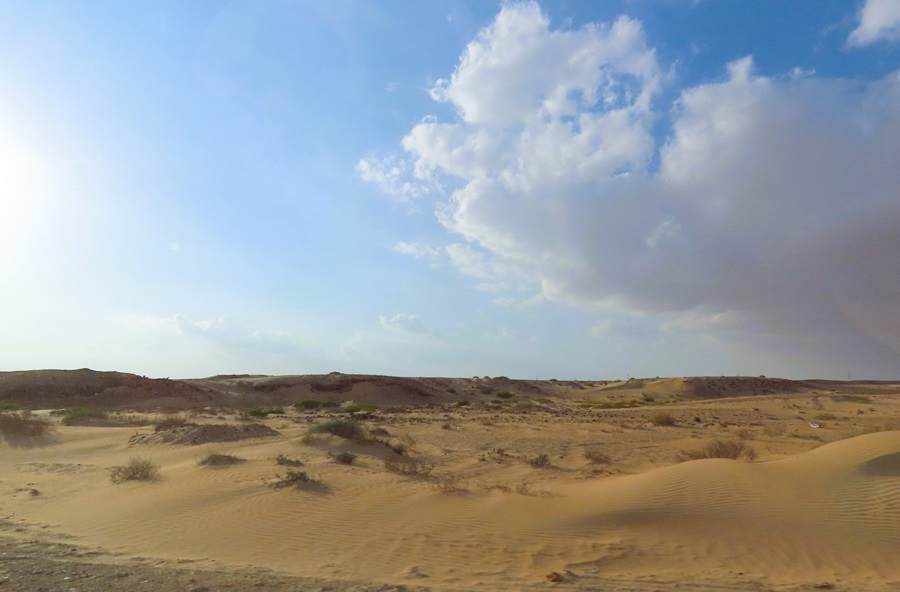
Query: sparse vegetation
column 343, row 428
column 505, row 394
column 257, row 413
column 825, row 416
column 733, row 449
column 344, row 458
column 596, row 455
column 137, row 469
column 72, row 415
column 287, row 461
column 220, row 460
column 541, row 461
column 451, row 390
column 8, row 406
column 22, row 425
column 297, row 480
column 450, row 483
column 170, row 423
column 409, row 467
column 462, row 403
column 663, row 419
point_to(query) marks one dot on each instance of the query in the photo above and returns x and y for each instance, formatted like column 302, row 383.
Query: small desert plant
column 663, row 419
column 71, row 415
column 409, row 467
column 170, row 423
column 733, row 449
column 505, row 394
column 137, row 469
column 8, row 406
column 298, row 480
column 344, row 428
column 220, row 460
column 345, row 458
column 398, row 447
column 826, row 416
column 310, row 439
column 596, row 455
column 286, row 461
column 541, row 461
column 451, row 390
column 462, row 403
column 19, row 424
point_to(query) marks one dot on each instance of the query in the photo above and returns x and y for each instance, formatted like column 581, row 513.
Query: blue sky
column 571, row 189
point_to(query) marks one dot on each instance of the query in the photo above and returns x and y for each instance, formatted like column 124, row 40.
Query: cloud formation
column 879, row 20
column 771, row 202
column 409, row 323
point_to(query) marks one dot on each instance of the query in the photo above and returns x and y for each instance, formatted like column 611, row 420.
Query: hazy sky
column 576, row 189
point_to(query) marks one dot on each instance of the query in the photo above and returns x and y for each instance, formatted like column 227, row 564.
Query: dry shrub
column 170, row 423
column 409, row 467
column 22, row 425
column 286, row 461
column 733, row 449
column 596, row 455
column 220, row 460
column 541, row 461
column 137, row 469
column 343, row 428
column 663, row 419
column 449, row 483
column 344, row 458
column 298, row 480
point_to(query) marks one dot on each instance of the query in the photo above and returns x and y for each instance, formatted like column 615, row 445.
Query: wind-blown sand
column 818, row 507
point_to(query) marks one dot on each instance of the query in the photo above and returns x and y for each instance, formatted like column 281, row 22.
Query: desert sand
column 531, row 485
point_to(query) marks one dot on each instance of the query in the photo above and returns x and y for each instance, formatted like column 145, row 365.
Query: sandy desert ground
column 528, row 485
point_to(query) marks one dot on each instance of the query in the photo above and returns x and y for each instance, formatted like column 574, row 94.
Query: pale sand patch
column 643, row 522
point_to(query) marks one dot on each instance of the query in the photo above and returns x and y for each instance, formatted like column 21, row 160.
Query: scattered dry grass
column 663, row 419
column 541, row 461
column 409, row 467
column 733, row 449
column 137, row 469
column 299, row 480
column 170, row 423
column 450, row 483
column 22, row 425
column 286, row 461
column 596, row 455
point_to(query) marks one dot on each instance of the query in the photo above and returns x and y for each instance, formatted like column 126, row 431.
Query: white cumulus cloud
column 771, row 201
column 879, row 20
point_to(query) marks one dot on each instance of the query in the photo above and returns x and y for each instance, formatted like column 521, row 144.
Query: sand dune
column 485, row 519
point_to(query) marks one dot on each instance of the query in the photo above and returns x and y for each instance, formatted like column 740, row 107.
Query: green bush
column 8, row 406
